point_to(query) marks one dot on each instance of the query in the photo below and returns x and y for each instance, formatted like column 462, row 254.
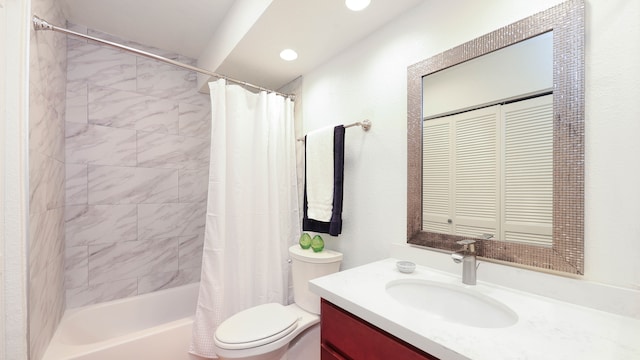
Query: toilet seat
column 255, row 326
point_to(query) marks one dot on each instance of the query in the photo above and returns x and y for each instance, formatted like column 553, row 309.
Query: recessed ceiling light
column 357, row 5
column 288, row 55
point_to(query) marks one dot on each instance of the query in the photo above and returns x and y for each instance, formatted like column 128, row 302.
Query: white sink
column 452, row 303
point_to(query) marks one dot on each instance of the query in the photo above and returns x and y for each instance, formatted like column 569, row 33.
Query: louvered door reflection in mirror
column 489, row 172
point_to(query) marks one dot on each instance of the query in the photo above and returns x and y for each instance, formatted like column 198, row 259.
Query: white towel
column 319, row 168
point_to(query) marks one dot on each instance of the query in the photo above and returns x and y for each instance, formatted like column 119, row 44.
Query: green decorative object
column 317, row 244
column 305, row 241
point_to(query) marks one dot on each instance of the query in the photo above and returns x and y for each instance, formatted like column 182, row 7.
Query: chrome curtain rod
column 41, row 24
column 366, row 125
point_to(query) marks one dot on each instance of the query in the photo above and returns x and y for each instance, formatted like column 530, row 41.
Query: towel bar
column 366, row 125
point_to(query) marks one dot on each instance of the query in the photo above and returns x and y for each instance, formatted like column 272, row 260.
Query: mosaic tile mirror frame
column 567, row 21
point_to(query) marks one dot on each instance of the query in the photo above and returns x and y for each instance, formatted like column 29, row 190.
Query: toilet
column 279, row 332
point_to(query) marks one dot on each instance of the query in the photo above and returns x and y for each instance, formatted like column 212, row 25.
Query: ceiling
column 229, row 40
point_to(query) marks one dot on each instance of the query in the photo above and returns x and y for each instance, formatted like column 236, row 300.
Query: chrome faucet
column 467, row 256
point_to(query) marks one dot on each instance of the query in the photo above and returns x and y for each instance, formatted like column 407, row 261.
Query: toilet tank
column 307, row 265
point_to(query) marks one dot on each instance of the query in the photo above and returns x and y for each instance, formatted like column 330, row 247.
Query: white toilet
column 278, row 332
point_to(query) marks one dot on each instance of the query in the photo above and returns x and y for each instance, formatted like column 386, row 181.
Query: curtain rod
column 41, row 24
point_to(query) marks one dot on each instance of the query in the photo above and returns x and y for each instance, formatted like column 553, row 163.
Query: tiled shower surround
column 47, row 67
column 136, row 155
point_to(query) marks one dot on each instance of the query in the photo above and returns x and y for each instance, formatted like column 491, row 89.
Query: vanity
column 346, row 336
column 362, row 318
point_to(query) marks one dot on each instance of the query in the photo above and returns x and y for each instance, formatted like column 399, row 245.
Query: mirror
column 562, row 248
column 487, row 159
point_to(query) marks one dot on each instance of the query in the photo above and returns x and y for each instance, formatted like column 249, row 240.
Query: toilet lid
column 256, row 326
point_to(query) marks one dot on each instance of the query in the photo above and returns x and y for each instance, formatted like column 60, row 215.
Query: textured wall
column 137, row 156
column 46, row 179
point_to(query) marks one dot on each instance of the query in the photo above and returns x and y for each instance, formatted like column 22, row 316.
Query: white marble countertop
column 546, row 329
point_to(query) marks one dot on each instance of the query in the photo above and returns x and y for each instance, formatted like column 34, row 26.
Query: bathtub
column 151, row 326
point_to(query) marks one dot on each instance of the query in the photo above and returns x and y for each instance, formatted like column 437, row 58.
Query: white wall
column 516, row 71
column 612, row 196
column 369, row 81
column 13, row 179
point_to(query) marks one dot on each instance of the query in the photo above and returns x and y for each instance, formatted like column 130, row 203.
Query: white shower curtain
column 252, row 207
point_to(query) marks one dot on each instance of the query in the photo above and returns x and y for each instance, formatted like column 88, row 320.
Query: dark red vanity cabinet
column 345, row 336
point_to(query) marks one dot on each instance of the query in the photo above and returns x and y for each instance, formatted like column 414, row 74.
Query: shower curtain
column 252, row 208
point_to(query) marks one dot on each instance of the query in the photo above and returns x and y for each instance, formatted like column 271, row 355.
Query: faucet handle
column 468, row 245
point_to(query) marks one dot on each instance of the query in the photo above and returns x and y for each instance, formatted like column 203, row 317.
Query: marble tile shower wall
column 137, row 154
column 47, row 81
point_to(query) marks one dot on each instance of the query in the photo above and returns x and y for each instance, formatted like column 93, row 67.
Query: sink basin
column 452, row 303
